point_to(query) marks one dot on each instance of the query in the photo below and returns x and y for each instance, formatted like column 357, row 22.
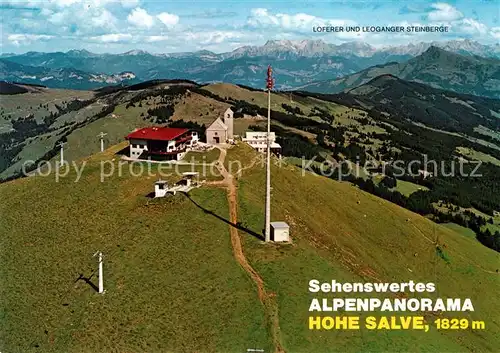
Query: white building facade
column 257, row 139
column 221, row 130
column 161, row 143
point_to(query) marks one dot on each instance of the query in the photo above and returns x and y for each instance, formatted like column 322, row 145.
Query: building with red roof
column 161, row 143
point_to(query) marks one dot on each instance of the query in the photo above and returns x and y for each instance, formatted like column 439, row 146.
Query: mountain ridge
column 297, row 63
column 435, row 67
column 60, row 77
column 309, row 47
column 434, row 107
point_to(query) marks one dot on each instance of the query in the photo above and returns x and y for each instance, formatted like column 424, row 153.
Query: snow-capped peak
column 136, row 52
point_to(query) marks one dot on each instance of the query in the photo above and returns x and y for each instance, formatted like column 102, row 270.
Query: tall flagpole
column 270, row 84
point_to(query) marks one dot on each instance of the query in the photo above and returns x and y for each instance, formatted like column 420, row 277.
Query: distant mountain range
column 435, row 67
column 60, row 77
column 313, row 48
column 296, row 63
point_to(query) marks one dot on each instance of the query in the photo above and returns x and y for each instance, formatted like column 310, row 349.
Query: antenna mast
column 269, row 86
column 101, row 136
column 101, row 279
column 61, row 144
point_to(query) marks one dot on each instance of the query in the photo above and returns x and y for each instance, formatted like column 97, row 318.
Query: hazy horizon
column 377, row 47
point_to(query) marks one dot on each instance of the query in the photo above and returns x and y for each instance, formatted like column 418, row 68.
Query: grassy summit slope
column 171, row 279
column 342, row 233
column 173, row 282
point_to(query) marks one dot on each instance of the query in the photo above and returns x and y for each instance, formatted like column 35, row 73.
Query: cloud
column 92, row 3
column 443, row 12
column 286, row 26
column 81, row 18
column 218, row 37
column 365, row 5
column 23, row 39
column 140, row 18
column 113, row 38
column 261, row 18
column 130, row 3
column 168, row 19
column 16, row 4
column 470, row 27
column 213, row 13
column 104, row 19
column 407, row 9
column 154, row 39
column 63, row 3
column 54, row 4
column 495, row 32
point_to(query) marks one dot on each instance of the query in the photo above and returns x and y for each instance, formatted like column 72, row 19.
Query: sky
column 164, row 26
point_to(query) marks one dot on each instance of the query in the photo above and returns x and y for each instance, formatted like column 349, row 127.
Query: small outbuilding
column 161, row 188
column 189, row 178
column 188, row 182
column 280, row 232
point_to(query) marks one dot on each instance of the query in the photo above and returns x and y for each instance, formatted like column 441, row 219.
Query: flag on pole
column 270, row 80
